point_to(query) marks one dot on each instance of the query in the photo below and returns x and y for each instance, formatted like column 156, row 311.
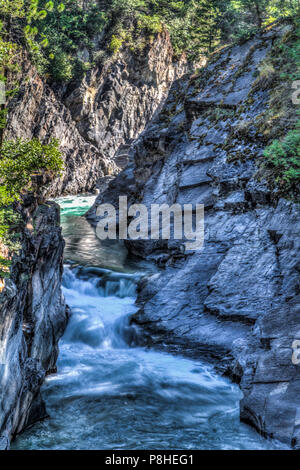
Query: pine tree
column 257, row 8
column 205, row 28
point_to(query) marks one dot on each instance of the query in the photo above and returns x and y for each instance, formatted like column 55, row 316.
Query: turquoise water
column 109, row 394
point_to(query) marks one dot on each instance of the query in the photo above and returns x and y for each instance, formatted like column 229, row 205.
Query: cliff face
column 36, row 111
column 115, row 101
column 236, row 301
column 32, row 320
column 94, row 118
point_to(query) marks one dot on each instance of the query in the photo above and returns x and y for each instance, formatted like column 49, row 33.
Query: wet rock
column 33, row 317
column 4, row 443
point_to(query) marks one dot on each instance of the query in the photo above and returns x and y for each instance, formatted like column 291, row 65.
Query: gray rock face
column 115, row 101
column 36, row 111
column 33, row 317
column 93, row 119
column 236, row 301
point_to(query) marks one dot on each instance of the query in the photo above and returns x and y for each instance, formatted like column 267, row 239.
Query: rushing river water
column 108, row 395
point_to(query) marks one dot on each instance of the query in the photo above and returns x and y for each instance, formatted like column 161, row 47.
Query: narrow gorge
column 142, row 344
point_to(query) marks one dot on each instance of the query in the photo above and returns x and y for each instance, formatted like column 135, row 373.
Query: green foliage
column 60, row 66
column 151, row 24
column 20, row 160
column 193, row 25
column 12, row 8
column 291, row 49
column 56, row 31
column 240, row 19
column 63, row 34
column 115, row 44
column 196, row 26
column 280, row 124
column 11, row 224
column 4, row 267
column 9, row 52
column 205, row 30
column 283, row 157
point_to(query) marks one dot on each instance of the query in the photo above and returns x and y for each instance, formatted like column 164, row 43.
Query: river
column 109, row 394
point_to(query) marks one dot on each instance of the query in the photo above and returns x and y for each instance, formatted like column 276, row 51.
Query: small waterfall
column 100, row 282
column 93, row 294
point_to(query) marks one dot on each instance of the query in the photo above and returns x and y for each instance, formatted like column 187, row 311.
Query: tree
column 19, row 159
column 205, row 26
column 73, row 29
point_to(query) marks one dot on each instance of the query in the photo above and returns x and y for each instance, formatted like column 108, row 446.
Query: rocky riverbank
column 33, row 317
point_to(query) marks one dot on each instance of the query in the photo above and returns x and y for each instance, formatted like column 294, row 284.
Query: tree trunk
column 258, row 15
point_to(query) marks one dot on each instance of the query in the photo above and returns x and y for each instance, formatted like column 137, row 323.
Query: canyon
column 149, row 129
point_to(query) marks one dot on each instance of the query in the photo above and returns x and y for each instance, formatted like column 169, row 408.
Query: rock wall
column 94, row 118
column 115, row 101
column 33, row 317
column 37, row 111
column 236, row 301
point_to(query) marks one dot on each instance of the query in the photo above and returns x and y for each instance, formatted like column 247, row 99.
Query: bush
column 61, row 66
column 64, row 34
column 80, row 68
column 10, row 225
column 279, row 126
column 152, row 24
column 115, row 44
column 4, row 268
column 284, row 159
column 20, row 160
